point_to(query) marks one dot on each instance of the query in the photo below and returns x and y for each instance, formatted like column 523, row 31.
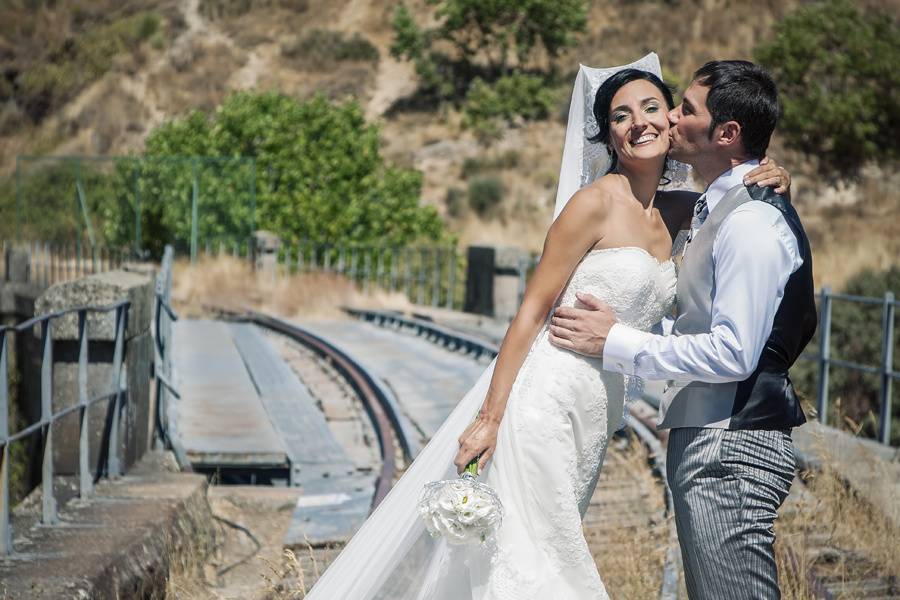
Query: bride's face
column 638, row 122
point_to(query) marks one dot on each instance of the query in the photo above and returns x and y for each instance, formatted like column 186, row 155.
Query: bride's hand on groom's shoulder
column 770, row 174
column 582, row 330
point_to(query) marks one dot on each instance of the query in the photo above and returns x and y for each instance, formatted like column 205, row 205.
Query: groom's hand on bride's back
column 582, row 330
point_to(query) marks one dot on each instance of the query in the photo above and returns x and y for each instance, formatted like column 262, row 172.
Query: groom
column 746, row 310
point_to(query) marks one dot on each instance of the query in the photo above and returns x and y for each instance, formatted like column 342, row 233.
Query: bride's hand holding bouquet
column 478, row 441
column 465, row 511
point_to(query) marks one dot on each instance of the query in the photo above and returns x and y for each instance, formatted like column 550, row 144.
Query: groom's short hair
column 743, row 92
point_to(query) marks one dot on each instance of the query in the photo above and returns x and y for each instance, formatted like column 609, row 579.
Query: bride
column 545, row 415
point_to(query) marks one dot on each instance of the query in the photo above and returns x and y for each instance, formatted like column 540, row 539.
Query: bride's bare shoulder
column 590, row 201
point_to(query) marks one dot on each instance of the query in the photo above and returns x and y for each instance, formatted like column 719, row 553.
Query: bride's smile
column 639, row 124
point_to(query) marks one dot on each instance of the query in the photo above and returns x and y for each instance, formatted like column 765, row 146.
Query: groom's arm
column 754, row 255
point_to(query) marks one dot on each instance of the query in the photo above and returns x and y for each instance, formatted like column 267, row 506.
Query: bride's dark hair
column 604, row 97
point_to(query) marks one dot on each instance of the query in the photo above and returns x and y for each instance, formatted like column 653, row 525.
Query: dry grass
column 833, row 532
column 630, row 555
column 229, row 283
column 293, row 577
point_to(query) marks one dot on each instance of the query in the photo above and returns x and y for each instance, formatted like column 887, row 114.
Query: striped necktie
column 701, row 211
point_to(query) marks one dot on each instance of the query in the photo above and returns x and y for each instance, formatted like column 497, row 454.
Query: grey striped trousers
column 727, row 487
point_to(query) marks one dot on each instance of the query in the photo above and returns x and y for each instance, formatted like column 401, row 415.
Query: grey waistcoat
column 766, row 399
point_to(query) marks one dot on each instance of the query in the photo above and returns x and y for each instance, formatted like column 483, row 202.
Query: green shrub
column 491, row 33
column 455, row 201
column 321, row 48
column 77, row 62
column 489, row 106
column 856, row 335
column 485, row 195
column 320, row 175
column 479, row 164
column 218, row 9
column 476, row 54
column 836, row 68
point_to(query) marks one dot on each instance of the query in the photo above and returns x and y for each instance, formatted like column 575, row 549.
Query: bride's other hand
column 770, row 174
column 478, row 440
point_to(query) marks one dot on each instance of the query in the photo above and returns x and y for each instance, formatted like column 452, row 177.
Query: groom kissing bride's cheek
column 630, row 245
column 744, row 312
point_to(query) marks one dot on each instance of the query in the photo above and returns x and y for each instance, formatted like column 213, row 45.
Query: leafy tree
column 478, row 51
column 319, row 175
column 836, row 67
column 486, row 106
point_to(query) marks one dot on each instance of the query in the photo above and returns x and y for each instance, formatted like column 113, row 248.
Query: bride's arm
column 575, row 232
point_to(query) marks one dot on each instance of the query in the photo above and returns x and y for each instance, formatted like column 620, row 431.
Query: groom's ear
column 728, row 134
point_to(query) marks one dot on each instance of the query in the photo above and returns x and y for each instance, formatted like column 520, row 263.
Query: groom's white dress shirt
column 754, row 254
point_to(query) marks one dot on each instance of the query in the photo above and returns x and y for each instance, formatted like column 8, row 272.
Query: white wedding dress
column 561, row 413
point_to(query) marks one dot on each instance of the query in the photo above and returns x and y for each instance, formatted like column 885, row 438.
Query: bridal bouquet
column 462, row 511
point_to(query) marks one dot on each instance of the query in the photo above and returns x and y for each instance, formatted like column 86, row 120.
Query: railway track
column 630, row 506
column 628, row 524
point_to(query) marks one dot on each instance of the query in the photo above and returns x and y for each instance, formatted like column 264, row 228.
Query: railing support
column 824, row 352
column 114, row 468
column 85, row 484
column 6, row 546
column 48, row 502
column 887, row 367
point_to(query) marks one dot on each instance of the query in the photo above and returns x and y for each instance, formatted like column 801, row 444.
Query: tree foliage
column 480, row 54
column 318, row 175
column 836, row 67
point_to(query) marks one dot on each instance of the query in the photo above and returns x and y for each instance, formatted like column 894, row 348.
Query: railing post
column 451, row 278
column 114, row 468
column 379, row 269
column 367, row 269
column 407, row 273
column 422, row 282
column 436, row 287
column 824, row 352
column 195, row 193
column 48, row 502
column 5, row 526
column 85, row 484
column 887, row 367
column 395, row 267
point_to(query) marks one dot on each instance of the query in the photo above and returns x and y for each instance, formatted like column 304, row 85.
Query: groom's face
column 689, row 125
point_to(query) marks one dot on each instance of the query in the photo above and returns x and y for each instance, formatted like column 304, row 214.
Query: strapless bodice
column 639, row 288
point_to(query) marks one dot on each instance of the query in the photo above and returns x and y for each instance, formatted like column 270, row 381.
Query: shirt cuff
column 622, row 346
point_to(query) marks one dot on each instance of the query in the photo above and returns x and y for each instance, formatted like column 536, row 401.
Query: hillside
column 96, row 76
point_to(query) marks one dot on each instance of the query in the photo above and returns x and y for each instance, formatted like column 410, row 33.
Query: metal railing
column 44, row 426
column 885, row 370
column 163, row 316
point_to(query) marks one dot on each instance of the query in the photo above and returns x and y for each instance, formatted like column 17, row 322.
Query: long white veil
column 392, row 556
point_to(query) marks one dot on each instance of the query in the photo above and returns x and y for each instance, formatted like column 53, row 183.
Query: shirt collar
column 727, row 180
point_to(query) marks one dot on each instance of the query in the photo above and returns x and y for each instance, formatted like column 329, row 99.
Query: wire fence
column 134, row 202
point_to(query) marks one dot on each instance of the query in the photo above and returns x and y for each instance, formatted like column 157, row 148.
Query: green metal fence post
column 137, row 208
column 887, row 367
column 824, row 352
column 194, row 212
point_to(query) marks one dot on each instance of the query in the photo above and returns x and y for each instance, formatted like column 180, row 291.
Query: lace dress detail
column 562, row 411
